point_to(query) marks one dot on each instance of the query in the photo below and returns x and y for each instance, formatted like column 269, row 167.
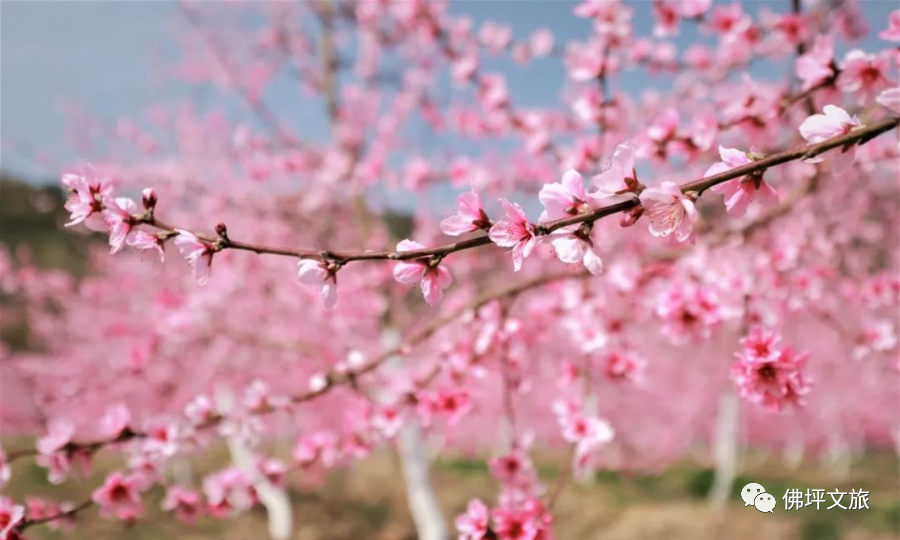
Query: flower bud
column 148, row 197
column 630, row 218
column 222, row 230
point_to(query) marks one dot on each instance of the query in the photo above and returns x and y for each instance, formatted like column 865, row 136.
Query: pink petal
column 513, row 211
column 311, row 272
column 431, row 290
column 592, row 262
column 329, row 294
column 409, row 273
column 569, row 249
column 574, row 184
column 504, row 234
column 841, row 161
column 409, row 245
column 457, row 224
column 737, row 203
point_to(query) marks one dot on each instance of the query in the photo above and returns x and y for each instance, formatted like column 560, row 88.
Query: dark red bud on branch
column 630, row 218
column 148, row 198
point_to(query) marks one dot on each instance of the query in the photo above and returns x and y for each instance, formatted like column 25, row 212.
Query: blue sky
column 108, row 57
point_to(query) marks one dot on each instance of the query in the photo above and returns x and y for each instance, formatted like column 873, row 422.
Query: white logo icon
column 764, row 502
column 749, row 493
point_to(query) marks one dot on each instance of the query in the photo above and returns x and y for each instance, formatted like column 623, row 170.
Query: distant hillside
column 32, row 217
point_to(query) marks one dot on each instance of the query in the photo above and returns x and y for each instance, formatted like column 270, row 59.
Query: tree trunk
column 423, row 504
column 725, row 449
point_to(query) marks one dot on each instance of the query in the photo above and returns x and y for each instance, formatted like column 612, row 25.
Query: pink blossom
column 58, row 466
column 761, row 345
column 611, row 18
column 473, row 525
column 541, row 42
column 519, row 523
column 87, row 194
column 690, row 9
column 816, row 65
column 492, row 92
column 740, row 192
column 767, row 375
column 427, row 272
column 622, row 365
column 516, row 232
column 469, row 215
column 585, row 61
column 513, row 469
column 143, row 240
column 199, row 410
column 728, row 18
column 273, row 470
column 40, row 508
column 388, row 419
column 669, row 210
column 666, row 19
column 893, row 31
column 585, row 430
column 115, row 421
column 704, row 130
column 665, row 126
column 698, row 57
column 11, row 514
column 821, row 127
column 227, row 491
column 321, row 275
column 495, row 37
column 119, row 217
column 874, row 338
column 619, row 177
column 565, row 199
column 864, row 75
column 186, row 504
column 450, row 403
column 890, row 98
column 318, row 446
column 199, row 254
column 119, row 497
column 689, row 312
column 463, row 68
column 417, row 174
column 162, row 439
column 577, row 247
column 59, row 435
column 793, row 27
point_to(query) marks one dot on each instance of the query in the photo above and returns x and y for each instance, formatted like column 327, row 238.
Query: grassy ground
column 368, row 502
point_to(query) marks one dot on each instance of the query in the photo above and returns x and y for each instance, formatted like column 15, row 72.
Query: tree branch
column 857, row 136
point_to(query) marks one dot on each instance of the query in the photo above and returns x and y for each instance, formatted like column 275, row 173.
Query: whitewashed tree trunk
column 274, row 500
column 795, row 452
column 423, row 504
column 725, row 448
column 414, row 462
column 839, row 458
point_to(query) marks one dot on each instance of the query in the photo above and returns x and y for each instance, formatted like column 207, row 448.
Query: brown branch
column 60, row 515
column 857, row 136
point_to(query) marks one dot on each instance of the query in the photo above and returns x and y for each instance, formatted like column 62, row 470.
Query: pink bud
column 148, row 197
column 630, row 218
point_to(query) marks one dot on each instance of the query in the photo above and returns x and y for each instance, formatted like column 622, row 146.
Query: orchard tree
column 620, row 277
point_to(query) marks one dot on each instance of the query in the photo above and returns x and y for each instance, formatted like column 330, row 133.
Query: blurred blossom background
column 140, row 89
